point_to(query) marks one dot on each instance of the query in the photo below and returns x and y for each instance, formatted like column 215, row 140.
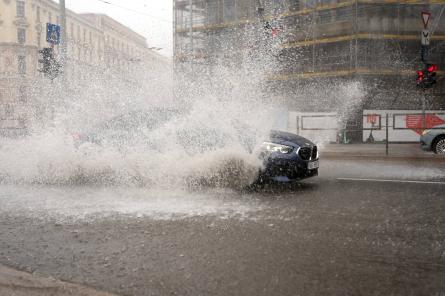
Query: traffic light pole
column 387, row 134
column 426, row 77
column 191, row 35
column 424, row 109
column 63, row 43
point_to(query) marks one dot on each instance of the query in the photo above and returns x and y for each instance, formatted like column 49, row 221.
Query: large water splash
column 225, row 104
column 217, row 107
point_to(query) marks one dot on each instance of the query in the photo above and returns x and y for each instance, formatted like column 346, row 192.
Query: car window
column 136, row 120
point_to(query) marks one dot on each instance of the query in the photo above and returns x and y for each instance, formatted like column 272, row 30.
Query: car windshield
column 137, row 120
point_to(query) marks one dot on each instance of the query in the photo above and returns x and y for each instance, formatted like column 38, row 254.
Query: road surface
column 361, row 228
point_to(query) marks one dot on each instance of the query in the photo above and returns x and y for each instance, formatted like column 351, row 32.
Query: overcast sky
column 150, row 18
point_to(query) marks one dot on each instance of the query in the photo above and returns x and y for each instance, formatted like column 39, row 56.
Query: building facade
column 93, row 41
column 321, row 43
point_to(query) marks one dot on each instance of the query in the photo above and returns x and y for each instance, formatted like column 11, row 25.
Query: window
column 310, row 3
column 213, row 11
column 38, row 14
column 278, row 6
column 20, row 8
column 84, row 35
column 22, row 94
column 72, row 30
column 294, row 4
column 344, row 14
column 325, row 16
column 9, row 110
column 21, row 35
column 21, row 61
column 39, row 37
column 229, row 10
column 244, row 8
column 178, row 18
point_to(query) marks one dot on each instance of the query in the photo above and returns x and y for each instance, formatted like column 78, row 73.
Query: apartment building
column 93, row 41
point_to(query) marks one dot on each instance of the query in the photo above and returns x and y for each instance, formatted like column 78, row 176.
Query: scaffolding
column 326, row 34
column 189, row 15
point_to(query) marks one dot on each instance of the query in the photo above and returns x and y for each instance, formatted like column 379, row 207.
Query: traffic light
column 45, row 61
column 431, row 73
column 427, row 77
column 420, row 77
column 49, row 65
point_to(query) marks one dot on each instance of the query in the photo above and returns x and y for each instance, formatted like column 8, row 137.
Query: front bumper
column 282, row 170
column 425, row 147
column 426, row 141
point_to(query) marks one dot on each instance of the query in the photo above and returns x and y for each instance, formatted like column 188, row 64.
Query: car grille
column 307, row 153
column 314, row 152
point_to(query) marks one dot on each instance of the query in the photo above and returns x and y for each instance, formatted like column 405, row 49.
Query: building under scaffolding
column 321, row 43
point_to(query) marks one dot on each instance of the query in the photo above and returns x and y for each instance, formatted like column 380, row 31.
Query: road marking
column 391, row 181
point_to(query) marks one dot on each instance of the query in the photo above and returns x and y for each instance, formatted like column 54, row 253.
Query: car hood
column 282, row 137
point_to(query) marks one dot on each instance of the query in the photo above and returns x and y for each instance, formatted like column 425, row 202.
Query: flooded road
column 342, row 233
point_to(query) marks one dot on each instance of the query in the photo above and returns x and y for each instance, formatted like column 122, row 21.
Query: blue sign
column 52, row 33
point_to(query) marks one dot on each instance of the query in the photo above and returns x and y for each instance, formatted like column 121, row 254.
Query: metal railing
column 385, row 127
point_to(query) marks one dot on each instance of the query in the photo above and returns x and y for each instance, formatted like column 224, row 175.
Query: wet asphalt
column 360, row 228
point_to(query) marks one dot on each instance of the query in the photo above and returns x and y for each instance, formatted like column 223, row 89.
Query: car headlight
column 273, row 147
column 425, row 132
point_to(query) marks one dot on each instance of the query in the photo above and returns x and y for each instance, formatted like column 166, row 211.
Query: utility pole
column 63, row 42
column 313, row 26
column 191, row 35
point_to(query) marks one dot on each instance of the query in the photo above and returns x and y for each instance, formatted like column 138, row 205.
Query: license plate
column 313, row 165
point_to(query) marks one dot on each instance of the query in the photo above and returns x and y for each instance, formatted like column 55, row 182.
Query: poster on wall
column 403, row 125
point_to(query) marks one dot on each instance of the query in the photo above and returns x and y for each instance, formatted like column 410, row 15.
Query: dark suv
column 288, row 157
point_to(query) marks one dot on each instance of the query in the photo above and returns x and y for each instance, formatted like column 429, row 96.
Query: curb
column 426, row 158
column 18, row 283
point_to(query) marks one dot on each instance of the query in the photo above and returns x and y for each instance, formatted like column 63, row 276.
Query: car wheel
column 439, row 145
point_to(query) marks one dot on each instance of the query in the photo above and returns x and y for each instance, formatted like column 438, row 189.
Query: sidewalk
column 408, row 151
column 17, row 283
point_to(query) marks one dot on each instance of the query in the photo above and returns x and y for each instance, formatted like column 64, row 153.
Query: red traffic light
column 420, row 76
column 432, row 68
